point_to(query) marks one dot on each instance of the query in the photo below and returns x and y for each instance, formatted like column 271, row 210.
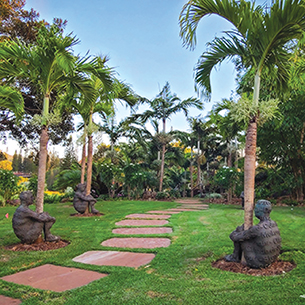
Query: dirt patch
column 87, row 215
column 276, row 268
column 43, row 246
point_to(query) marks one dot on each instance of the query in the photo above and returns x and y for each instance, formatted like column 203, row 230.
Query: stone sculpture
column 29, row 225
column 261, row 243
column 83, row 202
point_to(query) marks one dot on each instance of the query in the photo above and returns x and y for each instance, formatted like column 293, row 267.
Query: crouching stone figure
column 261, row 243
column 29, row 225
column 83, row 202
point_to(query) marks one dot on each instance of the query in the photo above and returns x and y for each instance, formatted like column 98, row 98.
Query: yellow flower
column 6, row 165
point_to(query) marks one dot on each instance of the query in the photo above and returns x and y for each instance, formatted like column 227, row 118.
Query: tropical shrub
column 8, row 185
column 162, row 195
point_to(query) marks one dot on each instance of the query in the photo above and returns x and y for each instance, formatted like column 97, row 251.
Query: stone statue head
column 262, row 209
column 26, row 198
column 81, row 187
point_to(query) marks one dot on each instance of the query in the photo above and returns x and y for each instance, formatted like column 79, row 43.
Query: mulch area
column 276, row 268
column 86, row 215
column 43, row 246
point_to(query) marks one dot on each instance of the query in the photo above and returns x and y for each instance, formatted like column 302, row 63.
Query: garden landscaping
column 181, row 272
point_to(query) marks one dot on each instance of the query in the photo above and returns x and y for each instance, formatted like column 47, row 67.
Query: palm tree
column 258, row 40
column 50, row 66
column 12, row 100
column 162, row 108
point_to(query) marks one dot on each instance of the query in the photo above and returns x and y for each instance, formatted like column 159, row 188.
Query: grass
column 175, row 276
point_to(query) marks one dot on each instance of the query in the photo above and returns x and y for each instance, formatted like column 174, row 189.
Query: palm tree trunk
column 199, row 169
column 162, row 158
column 43, row 153
column 83, row 170
column 249, row 181
column 191, row 173
column 89, row 165
column 162, row 168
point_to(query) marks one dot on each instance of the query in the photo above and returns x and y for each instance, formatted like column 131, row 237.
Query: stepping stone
column 136, row 223
column 193, row 207
column 8, row 301
column 133, row 242
column 115, row 258
column 190, row 201
column 55, row 278
column 127, row 231
column 184, row 210
column 148, row 216
column 163, row 212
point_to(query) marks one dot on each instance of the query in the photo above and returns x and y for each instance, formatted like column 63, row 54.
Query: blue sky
column 141, row 37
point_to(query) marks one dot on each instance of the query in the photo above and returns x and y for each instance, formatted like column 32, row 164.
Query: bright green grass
column 174, row 276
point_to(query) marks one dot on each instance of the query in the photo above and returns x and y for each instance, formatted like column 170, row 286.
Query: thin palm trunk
column 89, row 164
column 43, row 153
column 250, row 159
column 191, row 173
column 199, row 169
column 162, row 159
column 83, row 169
column 162, row 168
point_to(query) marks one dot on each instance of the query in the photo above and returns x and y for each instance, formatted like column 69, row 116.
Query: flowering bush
column 8, row 185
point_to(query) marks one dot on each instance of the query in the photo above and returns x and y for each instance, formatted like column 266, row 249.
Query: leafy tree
column 258, row 40
column 16, row 22
column 51, row 67
column 15, row 164
column 69, row 157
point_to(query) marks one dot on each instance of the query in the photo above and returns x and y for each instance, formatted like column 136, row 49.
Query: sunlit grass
column 179, row 274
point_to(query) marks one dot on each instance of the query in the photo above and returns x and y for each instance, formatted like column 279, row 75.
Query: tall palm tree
column 50, row 66
column 258, row 40
column 162, row 108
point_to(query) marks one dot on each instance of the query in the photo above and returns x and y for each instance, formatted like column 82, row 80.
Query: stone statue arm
column 241, row 235
column 42, row 217
column 85, row 197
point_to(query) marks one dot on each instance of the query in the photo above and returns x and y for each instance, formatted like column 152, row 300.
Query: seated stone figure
column 83, row 202
column 28, row 225
column 261, row 243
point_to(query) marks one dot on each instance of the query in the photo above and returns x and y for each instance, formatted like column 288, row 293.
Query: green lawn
column 174, row 276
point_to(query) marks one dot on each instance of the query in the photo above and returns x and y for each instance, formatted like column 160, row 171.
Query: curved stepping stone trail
column 136, row 223
column 55, row 278
column 148, row 216
column 133, row 242
column 115, row 258
column 142, row 230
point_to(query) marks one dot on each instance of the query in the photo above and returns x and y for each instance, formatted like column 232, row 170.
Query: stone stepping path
column 162, row 212
column 8, row 301
column 58, row 279
column 151, row 230
column 55, row 278
column 193, row 207
column 136, row 223
column 115, row 258
column 133, row 242
column 147, row 216
column 184, row 210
